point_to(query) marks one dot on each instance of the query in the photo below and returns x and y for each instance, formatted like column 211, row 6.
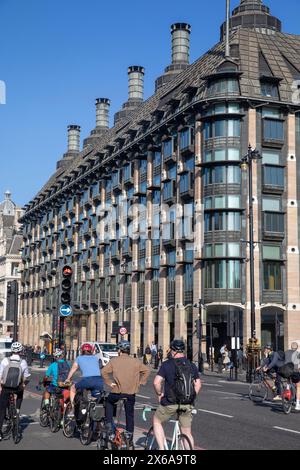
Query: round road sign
column 123, row 331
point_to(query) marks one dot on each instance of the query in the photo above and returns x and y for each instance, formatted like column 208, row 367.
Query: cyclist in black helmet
column 172, row 396
column 124, row 375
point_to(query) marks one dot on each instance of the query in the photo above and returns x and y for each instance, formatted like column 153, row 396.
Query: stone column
column 252, row 132
column 163, row 323
column 101, row 325
column 180, row 324
column 292, row 318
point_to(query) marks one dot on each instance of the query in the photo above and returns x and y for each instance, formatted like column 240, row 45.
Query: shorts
column 165, row 413
column 95, row 384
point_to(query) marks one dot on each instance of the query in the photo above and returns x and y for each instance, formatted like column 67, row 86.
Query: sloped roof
column 281, row 52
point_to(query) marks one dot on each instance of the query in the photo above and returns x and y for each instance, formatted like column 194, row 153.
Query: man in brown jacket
column 127, row 376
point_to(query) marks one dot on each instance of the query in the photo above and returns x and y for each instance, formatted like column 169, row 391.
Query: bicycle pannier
column 96, row 412
column 12, row 374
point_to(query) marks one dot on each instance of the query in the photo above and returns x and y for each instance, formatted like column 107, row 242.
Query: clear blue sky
column 57, row 56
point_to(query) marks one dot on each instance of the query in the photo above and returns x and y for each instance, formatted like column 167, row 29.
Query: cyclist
column 271, row 363
column 292, row 356
column 89, row 366
column 127, row 376
column 169, row 398
column 13, row 371
column 58, row 372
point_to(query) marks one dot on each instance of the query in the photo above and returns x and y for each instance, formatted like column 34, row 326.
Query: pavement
column 226, row 420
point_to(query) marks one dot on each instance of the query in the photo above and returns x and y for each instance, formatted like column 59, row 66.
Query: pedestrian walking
column 147, row 355
column 160, row 356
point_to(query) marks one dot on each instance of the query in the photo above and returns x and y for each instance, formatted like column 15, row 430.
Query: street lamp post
column 246, row 164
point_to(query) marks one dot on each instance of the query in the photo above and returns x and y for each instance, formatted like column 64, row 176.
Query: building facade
column 153, row 213
column 10, row 258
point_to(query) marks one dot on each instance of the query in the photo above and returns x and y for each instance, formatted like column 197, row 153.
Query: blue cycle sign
column 65, row 310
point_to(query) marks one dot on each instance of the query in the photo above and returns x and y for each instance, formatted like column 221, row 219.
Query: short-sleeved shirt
column 15, row 357
column 89, row 366
column 52, row 371
column 168, row 372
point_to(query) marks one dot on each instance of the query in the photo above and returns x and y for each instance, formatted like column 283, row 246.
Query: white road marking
column 142, row 396
column 287, row 430
column 233, row 383
column 215, row 413
column 229, row 393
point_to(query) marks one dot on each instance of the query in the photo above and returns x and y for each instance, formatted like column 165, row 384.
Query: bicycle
column 179, row 441
column 262, row 385
column 51, row 415
column 91, row 410
column 117, row 438
column 288, row 396
column 11, row 425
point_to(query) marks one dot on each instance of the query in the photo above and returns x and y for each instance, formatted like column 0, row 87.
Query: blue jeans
column 112, row 399
column 95, row 384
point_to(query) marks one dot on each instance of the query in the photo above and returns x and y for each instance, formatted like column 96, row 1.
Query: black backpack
column 286, row 371
column 63, row 371
column 183, row 390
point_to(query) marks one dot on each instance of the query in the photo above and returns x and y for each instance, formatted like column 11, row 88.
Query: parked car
column 103, row 356
column 110, row 349
column 5, row 347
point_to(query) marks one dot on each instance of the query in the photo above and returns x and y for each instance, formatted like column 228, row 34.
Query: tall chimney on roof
column 73, row 138
column 136, row 83
column 180, row 43
column 102, row 112
column 73, row 146
column 102, row 122
column 136, row 75
column 180, row 53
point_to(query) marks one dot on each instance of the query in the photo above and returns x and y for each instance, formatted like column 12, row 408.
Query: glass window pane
column 271, row 158
column 220, row 174
column 273, row 130
column 274, row 176
column 234, row 281
column 233, row 222
column 233, row 108
column 220, row 250
column 233, row 128
column 220, row 155
column 233, row 154
column 208, row 203
column 207, row 156
column 233, row 250
column 220, row 128
column 271, row 204
column 272, row 275
column 234, row 202
column 271, row 252
column 271, row 112
column 220, row 108
column 220, row 202
column 233, row 175
column 208, row 250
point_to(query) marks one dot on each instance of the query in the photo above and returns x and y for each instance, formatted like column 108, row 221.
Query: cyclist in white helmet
column 14, row 375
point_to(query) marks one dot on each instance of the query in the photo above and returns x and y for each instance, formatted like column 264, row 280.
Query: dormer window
column 269, row 89
column 223, row 86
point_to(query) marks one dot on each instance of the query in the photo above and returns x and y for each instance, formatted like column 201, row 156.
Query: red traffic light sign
column 123, row 331
column 67, row 271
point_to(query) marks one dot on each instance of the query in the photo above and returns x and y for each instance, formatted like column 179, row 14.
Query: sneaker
column 297, row 407
column 277, row 398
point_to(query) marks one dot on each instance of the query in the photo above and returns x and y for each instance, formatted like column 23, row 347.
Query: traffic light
column 66, row 285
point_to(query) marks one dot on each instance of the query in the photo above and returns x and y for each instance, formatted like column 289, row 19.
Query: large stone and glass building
column 10, row 259
column 152, row 214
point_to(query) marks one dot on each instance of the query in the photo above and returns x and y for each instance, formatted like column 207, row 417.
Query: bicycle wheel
column 86, row 431
column 258, row 391
column 287, row 405
column 184, row 443
column 55, row 416
column 150, row 441
column 16, row 432
column 44, row 415
column 69, row 423
column 7, row 424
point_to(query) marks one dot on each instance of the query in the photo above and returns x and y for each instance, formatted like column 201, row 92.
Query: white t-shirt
column 14, row 357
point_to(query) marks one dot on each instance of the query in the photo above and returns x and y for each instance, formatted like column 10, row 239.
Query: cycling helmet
column 16, row 347
column 269, row 346
column 86, row 347
column 58, row 353
column 177, row 345
column 124, row 346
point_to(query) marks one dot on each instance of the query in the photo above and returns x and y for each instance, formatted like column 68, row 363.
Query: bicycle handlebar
column 147, row 409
